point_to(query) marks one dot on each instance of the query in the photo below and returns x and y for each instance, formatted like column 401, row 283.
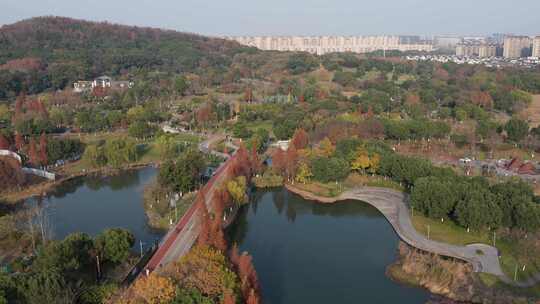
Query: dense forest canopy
column 52, row 52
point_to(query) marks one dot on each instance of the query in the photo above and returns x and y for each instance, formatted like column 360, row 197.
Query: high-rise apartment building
column 536, row 47
column 476, row 49
column 516, row 46
column 330, row 44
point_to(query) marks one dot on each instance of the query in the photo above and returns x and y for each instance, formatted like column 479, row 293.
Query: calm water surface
column 93, row 204
column 312, row 253
column 304, row 252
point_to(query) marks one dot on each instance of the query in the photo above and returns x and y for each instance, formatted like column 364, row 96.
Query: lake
column 92, row 204
column 305, row 252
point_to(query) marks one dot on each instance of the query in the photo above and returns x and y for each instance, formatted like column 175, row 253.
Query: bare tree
column 37, row 223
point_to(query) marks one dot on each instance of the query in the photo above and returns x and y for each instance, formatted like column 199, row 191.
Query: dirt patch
column 532, row 112
column 447, row 277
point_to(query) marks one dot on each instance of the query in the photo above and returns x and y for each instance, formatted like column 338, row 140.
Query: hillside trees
column 115, row 244
column 299, row 63
column 476, row 209
column 114, row 152
column 329, row 169
column 206, row 270
column 184, row 173
column 122, row 49
column 516, row 129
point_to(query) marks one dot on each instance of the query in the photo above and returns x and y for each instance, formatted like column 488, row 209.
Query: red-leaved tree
column 43, row 149
column 234, row 255
column 279, row 162
column 253, row 297
column 248, row 276
column 291, row 162
column 32, row 153
column 19, row 141
column 204, row 218
column 300, row 139
column 255, row 160
column 4, row 143
column 228, row 298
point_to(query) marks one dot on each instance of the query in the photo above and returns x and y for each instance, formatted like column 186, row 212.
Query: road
column 181, row 237
column 394, row 206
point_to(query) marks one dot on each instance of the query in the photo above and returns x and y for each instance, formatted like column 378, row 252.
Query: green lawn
column 330, row 189
column 451, row 233
column 267, row 124
column 148, row 150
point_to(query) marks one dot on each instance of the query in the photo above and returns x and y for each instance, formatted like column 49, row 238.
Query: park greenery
column 351, row 120
column 440, row 193
column 62, row 271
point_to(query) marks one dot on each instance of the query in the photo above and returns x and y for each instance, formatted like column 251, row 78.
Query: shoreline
column 421, row 279
column 12, row 198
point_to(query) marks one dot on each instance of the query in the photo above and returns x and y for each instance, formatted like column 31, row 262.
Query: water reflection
column 92, row 204
column 313, row 253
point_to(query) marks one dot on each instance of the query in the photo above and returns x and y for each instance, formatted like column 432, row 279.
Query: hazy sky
column 303, row 17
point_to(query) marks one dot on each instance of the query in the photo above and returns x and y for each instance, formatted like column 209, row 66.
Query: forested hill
column 51, row 52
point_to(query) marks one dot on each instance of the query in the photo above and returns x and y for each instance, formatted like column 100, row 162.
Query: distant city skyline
column 301, row 17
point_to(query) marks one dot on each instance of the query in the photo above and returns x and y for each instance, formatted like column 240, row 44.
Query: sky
column 297, row 17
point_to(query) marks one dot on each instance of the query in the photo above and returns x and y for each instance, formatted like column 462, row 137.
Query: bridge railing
column 11, row 154
column 169, row 239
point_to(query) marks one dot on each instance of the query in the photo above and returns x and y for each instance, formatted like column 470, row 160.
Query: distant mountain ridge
column 52, row 52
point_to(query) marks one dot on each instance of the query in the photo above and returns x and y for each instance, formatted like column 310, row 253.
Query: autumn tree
column 19, row 141
column 300, row 139
column 155, row 289
column 361, row 161
column 237, row 189
column 221, row 199
column 11, row 174
column 248, row 276
column 291, row 160
column 228, row 298
column 326, row 148
column 248, row 95
column 204, row 218
column 242, row 164
column 43, row 149
column 364, row 162
column 255, row 161
column 279, row 161
column 19, row 104
column 205, row 269
column 4, row 144
column 234, row 255
column 412, row 99
column 204, row 115
column 253, row 297
column 218, row 236
column 482, row 99
column 33, row 153
column 304, row 173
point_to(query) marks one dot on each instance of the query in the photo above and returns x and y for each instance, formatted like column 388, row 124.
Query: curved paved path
column 394, row 206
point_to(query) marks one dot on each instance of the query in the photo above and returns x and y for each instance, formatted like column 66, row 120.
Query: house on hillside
column 528, row 169
column 82, row 86
column 514, row 164
column 282, row 144
column 104, row 82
